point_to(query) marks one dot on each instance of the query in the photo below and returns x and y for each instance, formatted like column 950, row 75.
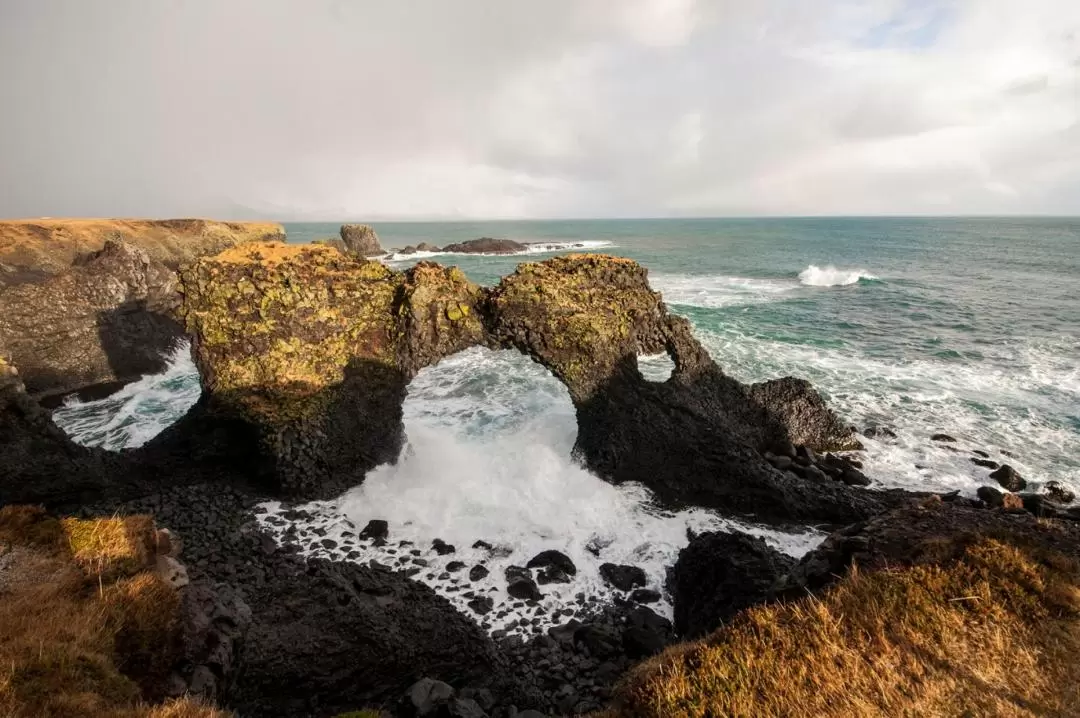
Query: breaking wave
column 830, row 276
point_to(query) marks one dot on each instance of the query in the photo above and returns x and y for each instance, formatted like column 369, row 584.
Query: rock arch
column 313, row 350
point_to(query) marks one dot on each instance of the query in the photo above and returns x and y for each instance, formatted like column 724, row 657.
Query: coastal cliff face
column 92, row 302
column 41, row 247
column 315, row 349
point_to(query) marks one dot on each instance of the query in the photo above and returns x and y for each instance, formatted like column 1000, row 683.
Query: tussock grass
column 992, row 633
column 85, row 629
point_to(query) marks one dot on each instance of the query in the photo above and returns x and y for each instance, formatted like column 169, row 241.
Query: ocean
column 969, row 327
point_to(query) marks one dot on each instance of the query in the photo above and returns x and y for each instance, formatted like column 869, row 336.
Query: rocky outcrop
column 214, row 622
column 361, row 240
column 106, row 319
column 719, row 574
column 486, row 245
column 34, row 249
column 314, row 349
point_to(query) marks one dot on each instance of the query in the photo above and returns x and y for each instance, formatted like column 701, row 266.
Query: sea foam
column 830, row 276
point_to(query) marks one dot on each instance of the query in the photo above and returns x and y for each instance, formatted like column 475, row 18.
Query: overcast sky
column 528, row 108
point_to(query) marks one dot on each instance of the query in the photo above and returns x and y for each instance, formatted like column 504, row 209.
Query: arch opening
column 487, row 469
column 139, row 411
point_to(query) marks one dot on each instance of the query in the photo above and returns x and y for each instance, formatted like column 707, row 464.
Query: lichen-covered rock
column 361, row 240
column 35, row 249
column 315, row 349
column 106, row 319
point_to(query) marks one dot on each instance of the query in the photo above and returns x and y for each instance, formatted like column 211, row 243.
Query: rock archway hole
column 487, row 470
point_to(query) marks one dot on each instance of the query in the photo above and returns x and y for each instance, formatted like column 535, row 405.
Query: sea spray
column 830, row 276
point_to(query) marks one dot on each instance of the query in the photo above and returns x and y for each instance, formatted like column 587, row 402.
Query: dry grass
column 995, row 633
column 85, row 630
column 53, row 244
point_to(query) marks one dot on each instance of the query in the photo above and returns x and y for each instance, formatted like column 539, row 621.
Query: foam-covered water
column 531, row 248
column 830, row 276
column 488, row 459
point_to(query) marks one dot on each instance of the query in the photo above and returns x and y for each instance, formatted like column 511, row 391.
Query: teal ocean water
column 969, row 327
column 964, row 326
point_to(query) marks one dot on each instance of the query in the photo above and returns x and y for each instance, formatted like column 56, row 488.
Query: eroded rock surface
column 315, row 350
column 361, row 240
column 485, row 245
column 109, row 318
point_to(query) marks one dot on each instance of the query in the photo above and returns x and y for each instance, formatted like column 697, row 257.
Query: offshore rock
column 109, row 318
column 361, row 240
column 486, row 245
column 315, row 349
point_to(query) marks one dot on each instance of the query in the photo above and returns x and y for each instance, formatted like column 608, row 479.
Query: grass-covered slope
column 995, row 632
column 86, row 627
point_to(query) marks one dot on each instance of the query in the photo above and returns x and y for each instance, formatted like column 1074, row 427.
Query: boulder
column 557, row 559
column 375, row 529
column 110, row 318
column 426, row 247
column 361, row 240
column 990, row 496
column 984, row 463
column 624, row 578
column 718, row 574
column 334, row 242
column 524, row 588
column 486, row 245
column 214, row 621
column 943, row 438
column 1009, row 479
column 1056, row 491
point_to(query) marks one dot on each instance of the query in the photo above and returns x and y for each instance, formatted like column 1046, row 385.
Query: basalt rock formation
column 314, row 350
column 361, row 240
column 485, row 245
column 106, row 319
column 37, row 248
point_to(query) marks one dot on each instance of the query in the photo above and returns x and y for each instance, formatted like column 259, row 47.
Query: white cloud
column 565, row 108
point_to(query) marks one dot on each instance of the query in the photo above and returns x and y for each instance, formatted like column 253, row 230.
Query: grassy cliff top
column 51, row 245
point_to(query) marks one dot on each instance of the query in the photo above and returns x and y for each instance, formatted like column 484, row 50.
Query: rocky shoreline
column 305, row 353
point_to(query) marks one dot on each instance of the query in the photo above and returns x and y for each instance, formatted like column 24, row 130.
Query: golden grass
column 78, row 637
column 995, row 633
column 53, row 244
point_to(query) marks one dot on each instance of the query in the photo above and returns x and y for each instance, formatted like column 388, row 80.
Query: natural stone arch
column 314, row 349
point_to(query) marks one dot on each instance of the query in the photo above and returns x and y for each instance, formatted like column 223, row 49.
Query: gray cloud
column 426, row 108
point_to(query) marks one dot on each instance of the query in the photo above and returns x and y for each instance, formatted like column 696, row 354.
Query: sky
column 439, row 109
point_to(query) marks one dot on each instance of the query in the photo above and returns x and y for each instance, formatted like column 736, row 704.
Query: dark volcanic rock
column 719, row 574
column 1009, row 478
column 624, row 578
column 477, row 572
column 879, row 432
column 1055, row 491
column 985, row 463
column 214, row 621
column 486, row 245
column 375, row 529
column 943, row 437
column 554, row 558
column 524, row 588
column 361, row 240
column 441, row 547
column 645, row 595
column 990, row 496
column 108, row 319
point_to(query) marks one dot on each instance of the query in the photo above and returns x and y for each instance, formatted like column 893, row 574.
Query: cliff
column 39, row 247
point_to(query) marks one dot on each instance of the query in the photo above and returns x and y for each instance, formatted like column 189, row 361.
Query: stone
column 360, row 239
column 486, row 245
column 645, row 595
column 943, row 437
column 465, row 708
column 601, row 640
column 624, row 578
column 524, row 588
column 427, row 247
column 879, row 432
column 455, row 566
column 477, row 572
column 1056, row 491
column 441, row 547
column 481, row 605
column 990, row 496
column 426, row 695
column 553, row 558
column 719, row 574
column 375, row 529
column 552, row 574
column 1009, row 479
column 984, row 463
column 640, row 643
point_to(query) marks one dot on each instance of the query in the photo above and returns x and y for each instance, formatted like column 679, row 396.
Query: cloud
column 328, row 108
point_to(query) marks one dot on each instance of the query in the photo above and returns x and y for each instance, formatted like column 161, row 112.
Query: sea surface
column 969, row 327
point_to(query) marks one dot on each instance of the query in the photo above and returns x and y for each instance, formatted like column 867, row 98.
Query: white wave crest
column 714, row 292
column 830, row 276
column 531, row 248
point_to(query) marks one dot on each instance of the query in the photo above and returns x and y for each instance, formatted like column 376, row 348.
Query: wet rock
column 624, row 578
column 1058, row 493
column 553, row 558
column 477, row 572
column 943, row 437
column 1008, row 477
column 718, row 574
column 455, row 566
column 483, row 544
column 375, row 529
column 980, row 452
column 524, row 588
column 645, row 595
column 552, row 574
column 641, row 642
column 985, row 463
column 481, row 605
column 601, row 640
column 442, row 548
column 486, row 245
column 879, row 432
column 427, row 247
column 990, row 496
column 361, row 240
